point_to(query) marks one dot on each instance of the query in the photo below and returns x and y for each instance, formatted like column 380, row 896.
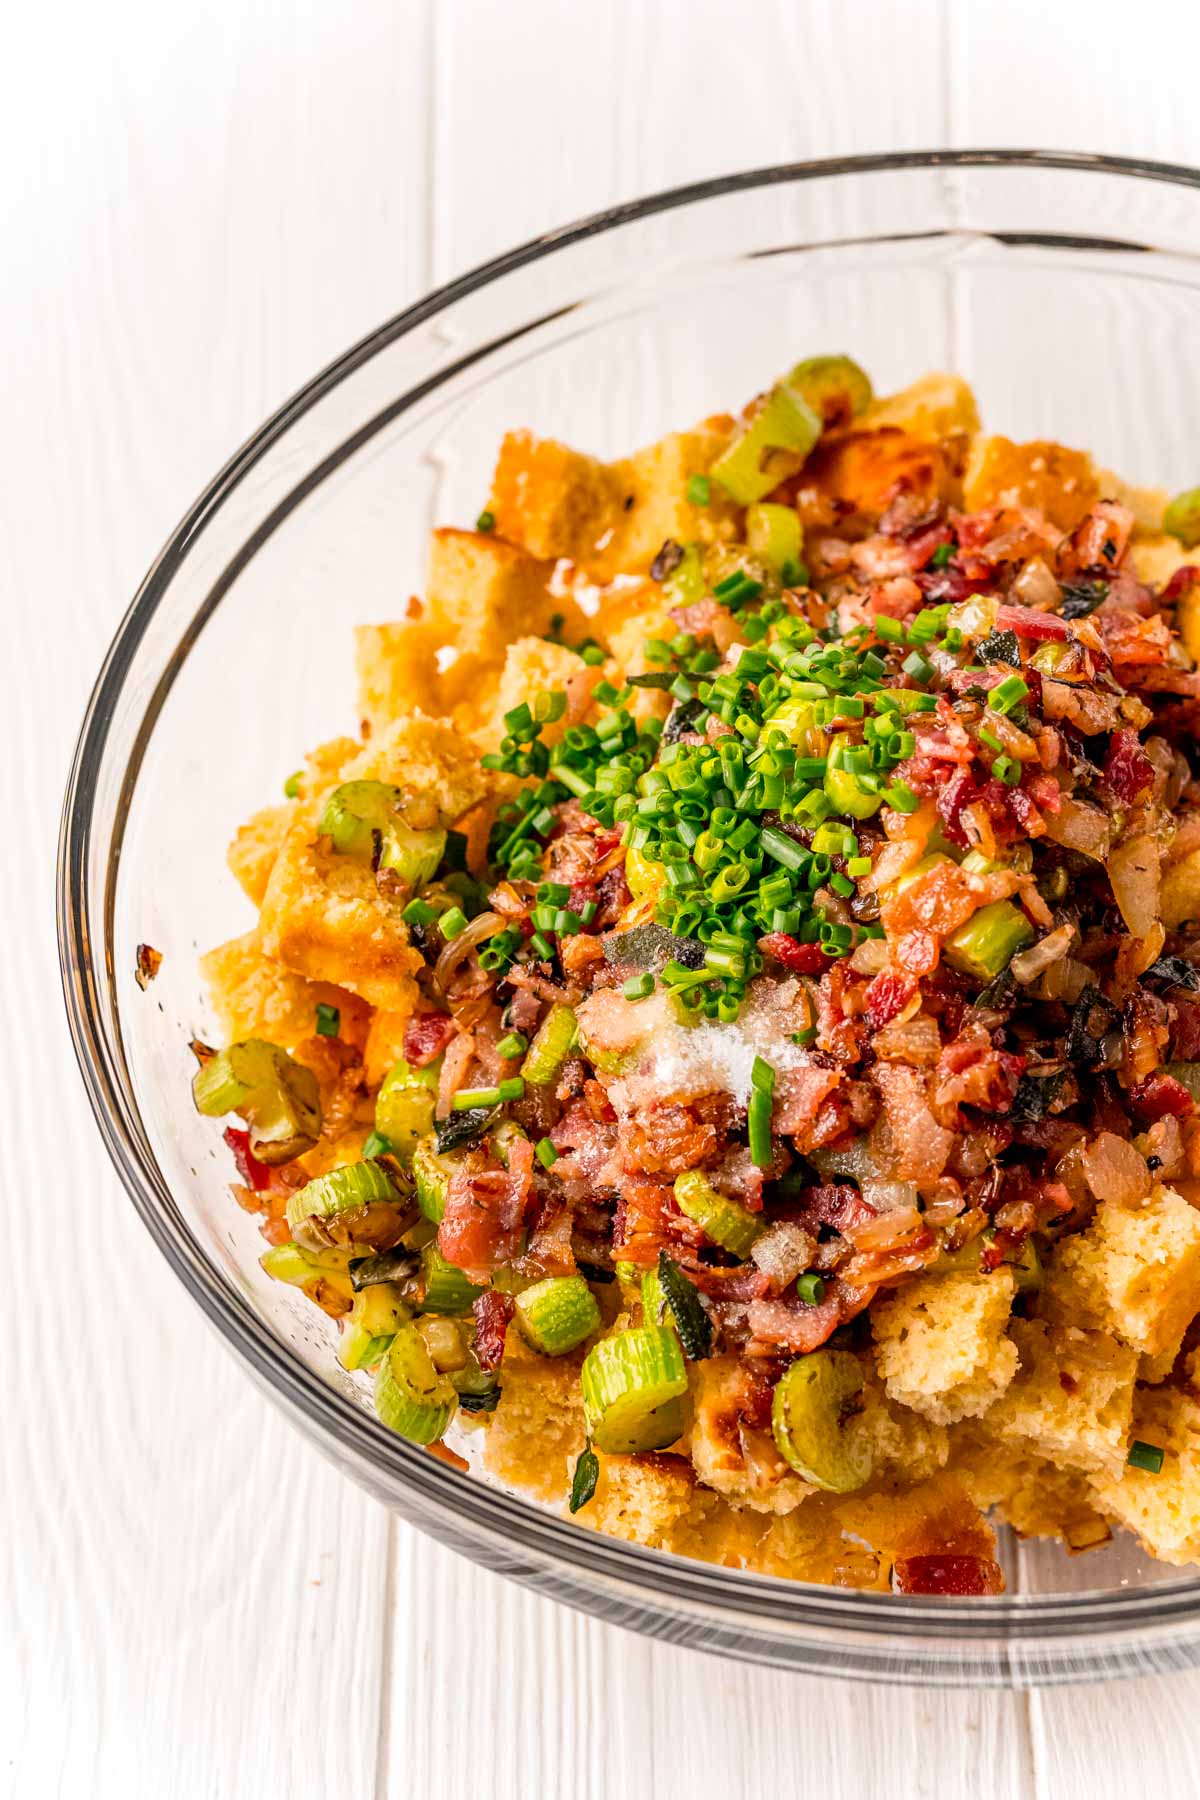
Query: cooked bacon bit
column 793, row 1325
column 485, row 1212
column 838, row 1034
column 971, row 1073
column 667, row 1140
column 799, row 1095
column 917, row 952
column 426, row 1036
column 799, row 959
column 963, row 1576
column 149, row 962
column 837, row 1205
column 1161, row 1097
column 938, row 901
column 741, row 1285
column 887, row 996
column 444, row 1454
column 492, row 1314
column 1128, row 771
column 922, row 1145
column 953, row 798
column 1028, row 623
column 1181, row 582
column 255, row 1174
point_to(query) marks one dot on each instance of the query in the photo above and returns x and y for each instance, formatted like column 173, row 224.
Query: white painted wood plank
column 185, row 1583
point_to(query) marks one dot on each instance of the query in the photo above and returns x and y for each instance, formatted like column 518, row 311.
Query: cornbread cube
column 385, row 1042
column 533, row 666
column 1134, row 1272
column 251, row 856
column 609, row 518
column 1163, row 1510
column 904, row 1444
column 864, row 468
column 255, row 996
column 397, row 667
column 1035, row 1497
column 537, row 1429
column 1179, row 892
column 483, row 592
column 1146, row 504
column 428, row 760
column 1048, row 478
column 719, row 1386
column 810, row 1544
column 325, row 917
column 654, row 1499
column 941, row 1344
column 336, row 1151
column 939, row 405
column 1071, row 1398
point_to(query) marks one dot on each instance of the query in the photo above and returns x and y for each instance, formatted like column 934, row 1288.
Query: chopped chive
column 699, row 490
column 376, row 1145
column 291, row 786
column 858, row 866
column 545, row 1152
column 1145, row 1456
column 419, row 912
column 452, row 923
column 941, row 556
column 486, row 521
column 1008, row 693
column 470, row 1098
column 759, row 1121
column 512, row 1089
column 514, row 1043
column 811, row 1289
column 1007, row 770
column 916, row 666
column 592, row 655
column 637, row 987
column 329, row 1020
column 762, row 1076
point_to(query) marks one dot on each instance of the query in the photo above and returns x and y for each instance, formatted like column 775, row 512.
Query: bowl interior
column 1037, row 284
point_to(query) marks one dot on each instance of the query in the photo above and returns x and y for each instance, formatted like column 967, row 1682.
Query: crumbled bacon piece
column 963, row 1576
column 797, row 958
column 485, row 1211
column 255, row 1174
column 492, row 1314
column 1128, row 771
column 794, row 1325
column 1027, row 622
column 1160, row 1097
column 887, row 996
column 426, row 1036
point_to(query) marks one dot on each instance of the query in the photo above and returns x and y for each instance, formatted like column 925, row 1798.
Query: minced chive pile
column 711, row 819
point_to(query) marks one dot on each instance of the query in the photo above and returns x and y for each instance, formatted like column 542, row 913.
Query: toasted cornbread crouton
column 939, row 405
column 1071, row 1397
column 720, row 1394
column 1035, row 1497
column 1162, row 1509
column 864, row 468
column 1179, row 892
column 324, row 914
column 397, row 667
column 654, row 1499
column 902, row 1443
column 941, row 1344
column 809, row 1544
column 385, row 1042
column 325, row 917
column 1134, row 1272
column 609, row 518
column 255, row 996
column 336, row 1151
column 533, row 666
column 1048, row 478
column 483, row 592
column 537, row 1430
column 251, row 855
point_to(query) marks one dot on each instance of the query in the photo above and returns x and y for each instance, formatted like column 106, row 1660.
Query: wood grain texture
column 202, row 204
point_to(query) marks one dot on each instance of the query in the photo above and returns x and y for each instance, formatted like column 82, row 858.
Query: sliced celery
column 341, row 1190
column 405, row 1106
column 278, row 1097
column 376, row 1316
column 988, row 941
column 411, row 1397
column 632, row 1385
column 808, row 1415
column 551, row 1045
column 834, row 386
column 363, row 818
column 432, row 1170
column 785, row 422
column 290, row 1264
column 556, row 1314
column 447, row 1289
column 1182, row 518
column 775, row 534
column 722, row 1220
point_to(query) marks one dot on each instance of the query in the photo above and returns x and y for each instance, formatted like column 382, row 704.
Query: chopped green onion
column 469, row 1098
column 811, row 1289
column 637, row 987
column 1008, row 693
column 329, row 1020
column 1146, row 1456
column 486, row 521
column 375, row 1145
column 545, row 1152
column 941, row 556
column 699, row 490
column 291, row 786
column 759, row 1122
column 513, row 1043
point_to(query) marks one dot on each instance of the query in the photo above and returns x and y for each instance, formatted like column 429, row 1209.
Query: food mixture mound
column 722, row 1040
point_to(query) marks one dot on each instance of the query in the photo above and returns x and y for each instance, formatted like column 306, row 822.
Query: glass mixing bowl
column 1065, row 287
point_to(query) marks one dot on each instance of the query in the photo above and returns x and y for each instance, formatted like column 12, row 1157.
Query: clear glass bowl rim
column 345, row 1431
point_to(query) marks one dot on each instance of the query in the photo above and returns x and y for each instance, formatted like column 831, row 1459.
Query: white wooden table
column 201, row 204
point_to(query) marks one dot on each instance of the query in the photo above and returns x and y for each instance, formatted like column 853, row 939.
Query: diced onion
column 1077, row 826
column 1114, row 1170
column 1133, row 872
column 1027, row 965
